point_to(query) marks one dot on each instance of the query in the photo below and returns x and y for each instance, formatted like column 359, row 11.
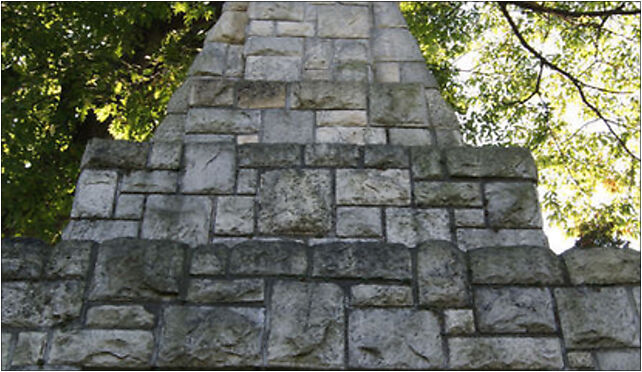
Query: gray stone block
column 246, row 181
column 397, row 105
column 222, row 121
column 381, row 295
column 386, row 156
column 411, row 226
column 387, row 72
column 295, row 202
column 6, row 342
column 361, row 260
column 426, row 162
column 149, row 181
column 351, row 135
column 261, row 28
column 209, row 168
column 210, row 138
column 618, row 360
column 285, row 28
column 287, row 11
column 352, row 71
column 260, row 94
column 373, row 187
column 351, row 51
column 344, row 118
column 235, row 61
column 23, row 258
column 30, row 349
column 129, row 206
column 306, row 325
column 268, row 258
column 273, row 68
column 442, row 116
column 137, row 269
column 100, row 230
column 482, row 162
column 331, row 155
column 448, row 138
column 177, row 217
column 636, row 297
column 415, row 72
column 210, row 61
column 515, row 265
column 344, row 21
column 101, row 153
column 580, row 360
column 120, row 316
column 95, row 194
column 211, row 92
column 442, row 275
column 514, row 310
column 395, row 44
column 165, row 155
column 234, row 215
column 362, row 222
column 469, row 218
column 328, row 95
column 269, row 155
column 40, row 304
column 230, row 28
column 274, row 46
column 209, row 260
column 512, row 204
column 387, row 15
column 454, row 194
column 285, row 126
column 68, row 258
column 235, row 6
column 459, row 321
column 470, row 239
column 318, row 53
column 216, row 290
column 505, row 353
column 602, row 265
column 411, row 137
column 597, row 317
column 171, row 128
column 395, row 339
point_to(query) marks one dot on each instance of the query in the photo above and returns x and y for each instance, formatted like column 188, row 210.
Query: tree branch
column 531, row 5
column 533, row 93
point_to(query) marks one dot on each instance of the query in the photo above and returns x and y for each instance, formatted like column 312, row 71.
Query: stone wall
column 141, row 304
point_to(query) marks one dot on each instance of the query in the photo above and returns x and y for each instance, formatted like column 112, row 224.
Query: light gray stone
column 381, row 295
column 395, row 339
column 470, row 239
column 580, row 360
column 602, row 265
column 246, row 181
column 210, row 61
column 286, row 126
column 387, row 15
column 269, row 155
column 235, row 61
column 178, row 103
column 410, row 137
column 211, row 92
column 362, row 260
column 515, row 265
column 102, row 153
column 235, row 6
column 306, row 325
column 247, row 138
column 100, row 230
column 209, row 168
column 149, row 181
column 618, row 360
column 597, row 317
column 351, row 135
column 129, row 206
column 442, row 275
column 514, row 310
column 344, row 21
column 373, row 187
column 6, row 342
column 344, row 118
column 331, row 155
column 216, row 290
column 268, row 258
column 181, row 218
column 482, row 162
column 165, row 155
column 171, row 128
column 295, row 202
column 23, row 258
column 392, row 45
column 459, row 321
column 209, row 260
column 636, row 298
column 397, row 105
column 351, row 51
column 95, row 194
column 30, row 349
column 359, row 222
column 102, row 348
column 274, row 68
column 441, row 114
column 453, row 194
column 261, row 28
column 426, row 162
column 68, row 258
column 447, row 138
column 412, row 226
column 279, row 10
column 386, row 156
column 414, row 72
column 352, row 71
column 222, row 121
column 234, row 215
column 512, row 205
column 137, row 269
column 317, row 75
column 328, row 95
column 387, row 72
column 229, row 28
column 505, row 353
column 469, row 218
column 285, row 28
column 318, row 53
column 40, row 304
column 274, row 46
column 117, row 316
column 260, row 94
column 208, row 138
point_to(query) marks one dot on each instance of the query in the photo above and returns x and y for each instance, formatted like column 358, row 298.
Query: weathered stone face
column 183, row 218
column 512, row 204
column 120, row 316
column 398, row 105
column 209, row 168
column 362, row 260
column 23, row 258
column 30, row 348
column 441, row 275
column 412, row 226
column 381, row 295
column 213, row 290
column 268, row 258
column 505, row 353
column 369, row 187
column 95, row 194
column 515, row 310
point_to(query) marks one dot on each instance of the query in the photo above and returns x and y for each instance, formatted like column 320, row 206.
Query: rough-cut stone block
column 362, row 260
column 373, row 187
column 448, row 138
column 602, row 265
column 210, row 61
column 397, row 105
column 469, row 218
column 268, row 258
column 344, row 21
column 352, row 72
column 597, row 317
column 331, row 155
column 234, row 215
column 415, row 72
column 482, row 162
column 6, row 341
column 412, row 226
column 95, row 194
column 23, row 258
column 512, row 204
column 209, row 168
column 115, row 316
column 515, row 265
column 442, row 115
column 137, row 269
column 260, row 94
column 387, row 72
column 30, row 349
column 102, row 153
column 359, row 222
column 229, row 28
column 102, row 348
column 165, row 155
column 177, row 217
column 274, row 46
column 211, row 92
column 40, row 304
column 410, row 137
column 328, row 95
column 295, row 29
column 235, row 61
column 395, row 45
column 351, row 51
column 636, row 297
column 269, row 155
column 386, row 156
column 274, row 68
column 580, row 360
column 459, row 322
column 209, row 260
column 235, row 6
column 149, row 181
column 426, row 163
column 395, row 339
column 470, row 239
column 381, row 295
column 387, row 15
column 351, row 135
column 344, row 118
column 68, row 258
column 222, row 121
column 99, row 230
column 454, row 194
column 442, row 275
column 261, row 28
column 214, row 290
column 514, row 310
column 129, row 206
column 209, row 138
column 306, row 325
column 505, row 353
column 246, row 181
column 318, row 53
column 285, row 126
column 297, row 202
column 618, row 360
column 171, row 128
column 279, row 10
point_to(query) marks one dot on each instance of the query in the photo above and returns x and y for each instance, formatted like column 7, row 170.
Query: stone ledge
column 103, row 153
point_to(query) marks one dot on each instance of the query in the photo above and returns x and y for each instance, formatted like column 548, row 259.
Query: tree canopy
column 562, row 79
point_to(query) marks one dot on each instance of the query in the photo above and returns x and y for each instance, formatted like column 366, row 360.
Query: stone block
column 362, row 222
column 246, row 181
column 415, row 72
column 306, row 325
column 99, row 230
column 120, row 316
column 260, row 94
column 512, row 204
column 6, row 342
column 229, row 28
column 597, row 317
column 261, row 28
column 285, row 126
column 602, row 265
column 342, row 118
column 442, row 116
column 295, row 202
column 353, row 72
column 469, row 217
column 411, row 226
column 209, row 168
column 268, row 258
column 448, row 138
column 482, row 162
column 171, row 128
column 102, row 348
column 137, row 269
column 23, row 258
column 387, row 15
column 395, row 339
column 618, row 360
column 580, row 360
column 177, row 217
column 269, row 155
column 279, row 10
column 234, row 215
column 514, row 310
column 410, row 137
column 361, row 260
column 381, row 295
column 387, row 72
column 505, row 353
column 426, row 162
column 452, row 194
column 274, row 46
column 179, row 102
column 209, row 260
column 209, row 138
column 247, row 138
column 129, row 206
column 331, row 155
column 344, row 21
column 515, row 265
column 442, row 275
column 351, row 135
column 373, row 187
column 470, row 239
column 69, row 258
column 459, row 321
column 40, row 304
column 222, row 121
column 328, row 95
column 395, row 45
column 274, row 68
column 101, row 153
column 636, row 297
column 211, row 92
column 318, row 53
column 235, row 6
column 235, row 61
column 30, row 349
column 216, row 290
column 95, row 194
column 397, row 105
column 210, row 61
column 386, row 156
column 149, row 181
column 351, row 51
column 165, row 155
column 285, row 28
